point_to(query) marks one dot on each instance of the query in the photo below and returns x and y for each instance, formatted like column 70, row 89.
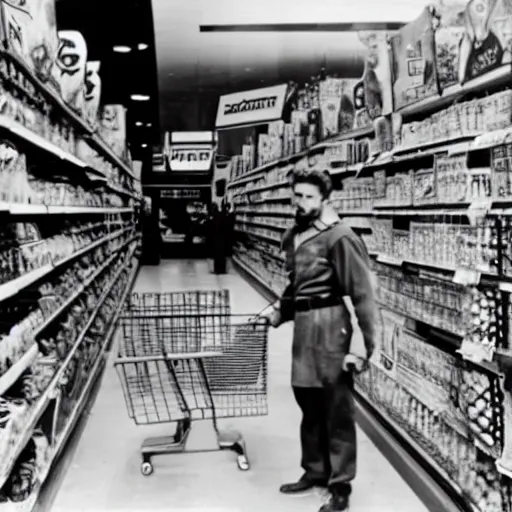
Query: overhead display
column 190, row 158
column 258, row 106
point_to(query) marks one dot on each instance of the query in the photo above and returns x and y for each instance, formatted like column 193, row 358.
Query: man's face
column 308, row 202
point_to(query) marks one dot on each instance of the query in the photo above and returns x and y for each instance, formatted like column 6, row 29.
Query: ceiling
column 125, row 22
column 184, row 70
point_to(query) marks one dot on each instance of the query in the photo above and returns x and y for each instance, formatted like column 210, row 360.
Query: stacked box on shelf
column 468, row 118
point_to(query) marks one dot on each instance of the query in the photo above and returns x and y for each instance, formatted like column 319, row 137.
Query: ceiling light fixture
column 140, row 97
column 121, row 48
column 149, row 125
column 138, row 123
column 142, row 46
column 144, row 145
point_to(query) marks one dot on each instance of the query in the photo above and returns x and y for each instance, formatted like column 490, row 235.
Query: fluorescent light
column 139, row 97
column 142, row 46
column 149, row 125
column 144, row 145
column 138, row 123
column 122, row 49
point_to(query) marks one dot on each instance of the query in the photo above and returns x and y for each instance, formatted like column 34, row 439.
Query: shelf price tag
column 478, row 209
column 476, row 352
column 466, row 277
column 390, row 260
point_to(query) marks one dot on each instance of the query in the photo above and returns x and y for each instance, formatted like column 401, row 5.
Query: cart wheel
column 146, row 468
column 243, row 463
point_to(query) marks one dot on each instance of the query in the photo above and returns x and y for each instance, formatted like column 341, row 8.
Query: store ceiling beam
column 304, row 27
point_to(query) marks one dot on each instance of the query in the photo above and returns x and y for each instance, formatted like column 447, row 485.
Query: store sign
column 180, row 193
column 251, row 107
column 190, row 158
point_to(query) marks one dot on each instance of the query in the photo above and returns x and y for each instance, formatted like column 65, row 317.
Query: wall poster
column 414, row 70
column 373, row 95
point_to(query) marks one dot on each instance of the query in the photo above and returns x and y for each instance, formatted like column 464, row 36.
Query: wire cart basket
column 183, row 357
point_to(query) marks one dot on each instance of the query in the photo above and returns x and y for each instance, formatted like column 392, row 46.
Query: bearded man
column 326, row 262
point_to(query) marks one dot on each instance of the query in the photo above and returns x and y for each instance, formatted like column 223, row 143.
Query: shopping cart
column 183, row 357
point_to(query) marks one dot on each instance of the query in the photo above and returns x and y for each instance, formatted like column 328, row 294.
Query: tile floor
column 104, row 473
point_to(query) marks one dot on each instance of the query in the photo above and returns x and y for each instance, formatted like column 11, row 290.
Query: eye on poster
column 69, row 69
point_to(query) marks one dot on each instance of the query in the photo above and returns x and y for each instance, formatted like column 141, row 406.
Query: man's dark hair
column 321, row 179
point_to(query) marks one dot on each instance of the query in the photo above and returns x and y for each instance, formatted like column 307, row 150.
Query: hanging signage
column 258, row 106
column 181, row 193
column 190, row 158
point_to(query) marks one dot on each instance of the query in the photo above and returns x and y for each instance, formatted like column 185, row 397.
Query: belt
column 309, row 303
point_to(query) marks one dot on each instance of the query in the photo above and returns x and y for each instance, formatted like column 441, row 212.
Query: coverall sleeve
column 352, row 268
column 284, row 306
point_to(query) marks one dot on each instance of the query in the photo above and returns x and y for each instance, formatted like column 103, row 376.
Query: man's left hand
column 354, row 364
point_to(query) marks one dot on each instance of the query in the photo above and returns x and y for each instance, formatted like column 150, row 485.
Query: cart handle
column 167, row 357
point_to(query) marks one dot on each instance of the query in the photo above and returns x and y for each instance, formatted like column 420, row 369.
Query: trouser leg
column 313, row 433
column 342, row 434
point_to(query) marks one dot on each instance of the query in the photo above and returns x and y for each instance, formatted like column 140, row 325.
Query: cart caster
column 146, row 468
column 243, row 463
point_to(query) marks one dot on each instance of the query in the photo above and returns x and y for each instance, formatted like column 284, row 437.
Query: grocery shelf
column 39, row 209
column 394, row 261
column 81, row 289
column 50, row 94
column 249, row 176
column 12, row 375
column 28, row 505
column 263, row 213
column 14, row 286
column 11, row 288
column 490, row 80
column 47, row 395
column 260, row 225
column 424, row 482
column 357, row 133
column 258, row 235
column 107, row 152
column 36, row 140
column 77, row 120
column 254, row 275
column 450, row 338
column 122, row 191
column 422, row 478
column 434, row 145
column 264, row 187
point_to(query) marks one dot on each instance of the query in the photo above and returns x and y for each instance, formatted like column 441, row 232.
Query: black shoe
column 336, row 503
column 303, row 485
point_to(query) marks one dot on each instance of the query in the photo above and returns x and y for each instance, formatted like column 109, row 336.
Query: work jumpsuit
column 326, row 263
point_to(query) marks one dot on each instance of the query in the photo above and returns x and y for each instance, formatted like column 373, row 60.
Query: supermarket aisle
column 104, row 473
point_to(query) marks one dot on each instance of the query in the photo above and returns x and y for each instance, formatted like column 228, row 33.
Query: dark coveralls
column 325, row 263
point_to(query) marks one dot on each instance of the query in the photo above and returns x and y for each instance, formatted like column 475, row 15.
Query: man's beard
column 304, row 220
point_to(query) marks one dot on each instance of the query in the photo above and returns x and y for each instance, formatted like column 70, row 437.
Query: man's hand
column 271, row 315
column 355, row 364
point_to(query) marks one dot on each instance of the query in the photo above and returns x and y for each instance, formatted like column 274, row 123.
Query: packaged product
column 415, row 76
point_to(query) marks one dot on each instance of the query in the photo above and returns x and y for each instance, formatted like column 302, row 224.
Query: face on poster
column 69, row 69
column 92, row 92
column 113, row 127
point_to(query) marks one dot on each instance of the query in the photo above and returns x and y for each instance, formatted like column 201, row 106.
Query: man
column 326, row 262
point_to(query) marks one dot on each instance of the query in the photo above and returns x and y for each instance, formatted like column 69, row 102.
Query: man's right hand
column 271, row 315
